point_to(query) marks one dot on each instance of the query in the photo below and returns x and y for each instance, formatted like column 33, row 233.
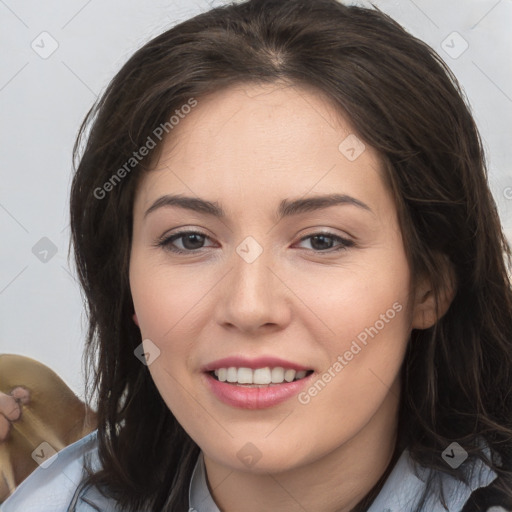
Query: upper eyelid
column 179, row 234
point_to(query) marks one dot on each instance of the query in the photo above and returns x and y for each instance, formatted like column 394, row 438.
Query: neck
column 343, row 480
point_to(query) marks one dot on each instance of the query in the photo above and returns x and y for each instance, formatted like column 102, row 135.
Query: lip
column 258, row 362
column 254, row 398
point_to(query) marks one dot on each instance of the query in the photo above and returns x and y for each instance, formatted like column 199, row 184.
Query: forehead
column 272, row 116
column 262, row 141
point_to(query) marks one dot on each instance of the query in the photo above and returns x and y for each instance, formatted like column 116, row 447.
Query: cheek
column 367, row 310
column 369, row 313
column 353, row 298
column 168, row 300
column 172, row 306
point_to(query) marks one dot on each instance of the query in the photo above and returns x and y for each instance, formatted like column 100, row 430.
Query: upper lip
column 258, row 362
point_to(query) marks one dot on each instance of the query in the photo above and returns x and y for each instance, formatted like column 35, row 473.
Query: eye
column 320, row 242
column 191, row 242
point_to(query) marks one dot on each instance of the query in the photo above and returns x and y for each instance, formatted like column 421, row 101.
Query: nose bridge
column 251, row 275
column 252, row 296
column 251, row 271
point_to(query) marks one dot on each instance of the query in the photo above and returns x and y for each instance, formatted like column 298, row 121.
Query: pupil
column 190, row 237
column 322, row 246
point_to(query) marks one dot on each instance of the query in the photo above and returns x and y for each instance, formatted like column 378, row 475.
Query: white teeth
column 277, row 375
column 289, row 375
column 244, row 376
column 232, row 375
column 260, row 376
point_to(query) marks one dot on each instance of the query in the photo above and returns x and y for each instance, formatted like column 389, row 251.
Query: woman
column 295, row 275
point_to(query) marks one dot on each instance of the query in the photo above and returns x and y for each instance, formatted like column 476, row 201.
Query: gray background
column 43, row 99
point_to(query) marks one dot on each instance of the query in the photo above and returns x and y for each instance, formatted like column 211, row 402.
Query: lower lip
column 245, row 397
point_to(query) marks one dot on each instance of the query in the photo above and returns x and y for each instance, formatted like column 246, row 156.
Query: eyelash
column 165, row 242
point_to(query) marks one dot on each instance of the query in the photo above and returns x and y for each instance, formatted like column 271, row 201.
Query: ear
column 425, row 314
column 135, row 319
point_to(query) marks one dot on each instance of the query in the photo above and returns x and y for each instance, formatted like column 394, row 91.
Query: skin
column 10, row 410
column 248, row 147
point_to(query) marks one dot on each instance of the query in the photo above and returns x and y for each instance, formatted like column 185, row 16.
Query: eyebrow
column 286, row 207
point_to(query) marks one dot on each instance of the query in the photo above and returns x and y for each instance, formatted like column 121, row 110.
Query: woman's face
column 281, row 281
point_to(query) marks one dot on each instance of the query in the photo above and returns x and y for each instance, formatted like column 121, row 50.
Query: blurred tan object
column 50, row 413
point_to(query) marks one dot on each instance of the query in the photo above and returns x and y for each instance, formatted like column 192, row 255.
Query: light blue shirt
column 53, row 488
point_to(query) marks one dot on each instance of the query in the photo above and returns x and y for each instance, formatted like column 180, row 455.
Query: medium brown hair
column 404, row 102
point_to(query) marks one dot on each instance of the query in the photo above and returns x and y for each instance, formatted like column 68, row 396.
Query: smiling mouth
column 258, row 378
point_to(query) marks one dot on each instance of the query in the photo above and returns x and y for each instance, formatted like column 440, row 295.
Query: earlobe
column 425, row 314
column 424, row 310
column 135, row 319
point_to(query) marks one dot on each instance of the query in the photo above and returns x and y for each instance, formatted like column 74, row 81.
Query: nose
column 253, row 296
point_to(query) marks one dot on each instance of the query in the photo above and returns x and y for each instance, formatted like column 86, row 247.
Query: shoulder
column 52, row 487
column 407, row 481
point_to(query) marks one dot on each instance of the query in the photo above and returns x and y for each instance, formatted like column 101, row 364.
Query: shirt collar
column 401, row 491
column 199, row 497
